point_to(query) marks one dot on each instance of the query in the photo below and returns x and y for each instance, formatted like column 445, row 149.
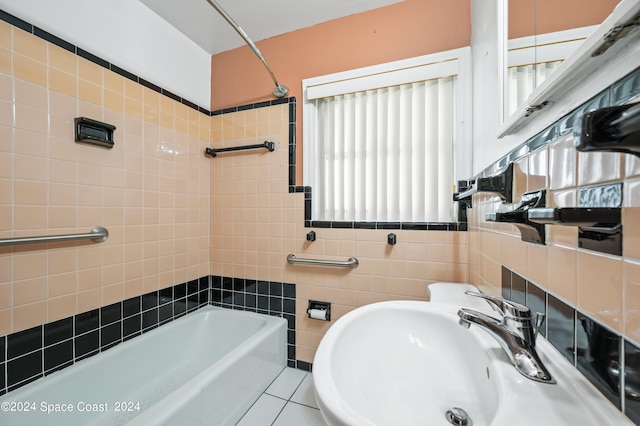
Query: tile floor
column 289, row 401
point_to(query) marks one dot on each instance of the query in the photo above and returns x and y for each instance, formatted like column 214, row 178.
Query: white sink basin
column 407, row 363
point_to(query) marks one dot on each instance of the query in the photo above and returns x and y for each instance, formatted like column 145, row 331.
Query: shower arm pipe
column 280, row 90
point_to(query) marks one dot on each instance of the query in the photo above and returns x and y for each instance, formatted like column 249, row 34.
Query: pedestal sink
column 411, row 363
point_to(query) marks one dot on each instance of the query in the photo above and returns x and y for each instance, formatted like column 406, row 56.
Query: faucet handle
column 506, row 307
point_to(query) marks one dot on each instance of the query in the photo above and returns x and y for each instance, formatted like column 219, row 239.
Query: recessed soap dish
column 93, row 132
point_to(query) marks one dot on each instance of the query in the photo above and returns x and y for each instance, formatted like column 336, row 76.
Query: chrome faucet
column 515, row 331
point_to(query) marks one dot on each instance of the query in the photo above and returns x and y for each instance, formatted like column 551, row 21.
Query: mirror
column 539, row 35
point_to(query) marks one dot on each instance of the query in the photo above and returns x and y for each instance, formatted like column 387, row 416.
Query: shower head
column 280, row 91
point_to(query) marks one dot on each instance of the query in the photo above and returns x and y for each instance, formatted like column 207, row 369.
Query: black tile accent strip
column 561, row 327
column 618, row 93
column 264, row 297
column 280, row 101
column 57, row 356
column 418, row 226
column 53, row 39
column 413, row 226
column 506, row 283
column 87, row 321
column 151, row 86
column 33, row 353
column 86, row 344
column 38, row 32
column 292, row 145
column 518, row 289
column 58, row 331
column 306, row 366
column 3, row 382
column 262, row 104
column 190, row 104
column 308, row 223
column 598, row 356
column 15, row 21
column 130, row 76
column 23, row 342
column 597, row 352
column 537, row 302
column 24, row 368
column 93, row 58
column 110, row 314
column 632, row 381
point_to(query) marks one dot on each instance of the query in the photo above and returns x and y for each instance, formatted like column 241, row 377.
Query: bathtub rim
column 271, row 323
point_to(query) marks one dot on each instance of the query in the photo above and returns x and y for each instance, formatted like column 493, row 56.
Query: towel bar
column 351, row 263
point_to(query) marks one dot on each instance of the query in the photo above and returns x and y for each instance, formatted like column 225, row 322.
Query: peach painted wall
column 530, row 17
column 604, row 286
column 402, row 30
column 256, row 223
column 151, row 191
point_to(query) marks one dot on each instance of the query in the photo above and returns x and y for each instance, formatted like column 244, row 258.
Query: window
column 532, row 59
column 386, row 143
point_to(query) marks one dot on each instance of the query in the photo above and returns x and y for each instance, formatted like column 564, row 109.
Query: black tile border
column 262, row 104
column 596, row 352
column 39, row 351
column 618, row 93
column 631, row 379
column 307, row 190
column 262, row 297
column 410, row 226
column 591, row 347
column 17, row 22
column 39, row 32
column 30, row 354
column 626, row 358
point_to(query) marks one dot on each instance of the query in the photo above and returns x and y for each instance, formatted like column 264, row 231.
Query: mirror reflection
column 541, row 34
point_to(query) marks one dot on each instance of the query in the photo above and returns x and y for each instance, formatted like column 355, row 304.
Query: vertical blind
column 385, row 155
column 523, row 79
column 531, row 59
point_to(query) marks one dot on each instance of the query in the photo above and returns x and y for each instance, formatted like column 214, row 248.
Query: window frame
column 452, row 62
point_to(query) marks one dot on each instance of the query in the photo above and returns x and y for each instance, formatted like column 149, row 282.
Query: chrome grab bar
column 97, row 234
column 351, row 263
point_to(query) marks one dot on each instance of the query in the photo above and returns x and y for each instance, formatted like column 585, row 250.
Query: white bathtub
column 206, row 368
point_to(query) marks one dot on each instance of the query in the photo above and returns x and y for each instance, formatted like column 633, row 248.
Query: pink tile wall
column 151, row 190
column 256, row 223
column 600, row 285
column 173, row 214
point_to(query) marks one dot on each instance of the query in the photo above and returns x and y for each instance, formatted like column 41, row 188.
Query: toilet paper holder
column 319, row 310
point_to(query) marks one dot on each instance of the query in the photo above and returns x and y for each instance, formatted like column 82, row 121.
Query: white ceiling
column 260, row 19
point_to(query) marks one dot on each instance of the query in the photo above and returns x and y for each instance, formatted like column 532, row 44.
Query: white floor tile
column 299, row 415
column 286, row 383
column 263, row 412
column 304, row 394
